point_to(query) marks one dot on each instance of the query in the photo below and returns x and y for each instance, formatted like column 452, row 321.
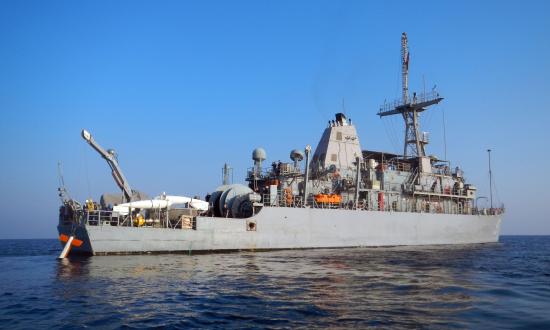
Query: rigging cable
column 496, row 190
column 444, row 134
column 390, row 137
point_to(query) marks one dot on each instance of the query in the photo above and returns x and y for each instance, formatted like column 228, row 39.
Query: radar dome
column 297, row 155
column 259, row 155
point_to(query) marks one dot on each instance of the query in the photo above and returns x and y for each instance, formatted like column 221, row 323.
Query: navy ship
column 337, row 195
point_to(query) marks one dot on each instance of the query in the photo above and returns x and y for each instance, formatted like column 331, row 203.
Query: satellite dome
column 259, row 155
column 297, row 155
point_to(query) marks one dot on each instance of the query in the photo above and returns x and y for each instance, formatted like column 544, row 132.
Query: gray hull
column 292, row 228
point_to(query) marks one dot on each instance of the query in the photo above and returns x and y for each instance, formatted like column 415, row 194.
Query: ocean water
column 502, row 285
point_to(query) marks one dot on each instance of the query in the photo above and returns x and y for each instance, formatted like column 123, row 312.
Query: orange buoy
column 69, row 241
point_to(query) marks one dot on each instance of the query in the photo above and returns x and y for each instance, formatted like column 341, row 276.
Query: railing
column 110, row 218
column 283, row 200
column 446, row 192
column 443, row 170
column 420, row 98
column 284, row 169
column 101, row 217
column 162, row 220
column 414, row 205
column 489, row 210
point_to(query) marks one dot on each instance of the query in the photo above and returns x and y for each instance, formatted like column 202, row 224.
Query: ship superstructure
column 342, row 174
column 337, row 195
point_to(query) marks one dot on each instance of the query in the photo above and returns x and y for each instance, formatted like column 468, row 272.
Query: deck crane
column 110, row 157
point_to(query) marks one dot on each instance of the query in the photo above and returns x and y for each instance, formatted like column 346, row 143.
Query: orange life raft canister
column 328, row 199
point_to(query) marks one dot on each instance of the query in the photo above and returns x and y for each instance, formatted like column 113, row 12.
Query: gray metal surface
column 289, row 228
column 111, row 199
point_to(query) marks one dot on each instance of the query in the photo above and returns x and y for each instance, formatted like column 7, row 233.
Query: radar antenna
column 415, row 142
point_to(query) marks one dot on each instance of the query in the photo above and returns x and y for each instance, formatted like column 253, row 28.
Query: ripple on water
column 494, row 285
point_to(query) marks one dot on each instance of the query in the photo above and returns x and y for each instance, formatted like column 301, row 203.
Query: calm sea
column 504, row 285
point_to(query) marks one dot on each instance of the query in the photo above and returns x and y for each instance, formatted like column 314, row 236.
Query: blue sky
column 180, row 87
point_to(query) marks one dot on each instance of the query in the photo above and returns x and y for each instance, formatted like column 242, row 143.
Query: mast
column 404, row 67
column 414, row 144
column 226, row 171
column 63, row 194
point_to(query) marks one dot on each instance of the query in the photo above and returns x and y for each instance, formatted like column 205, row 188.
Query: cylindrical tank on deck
column 230, row 200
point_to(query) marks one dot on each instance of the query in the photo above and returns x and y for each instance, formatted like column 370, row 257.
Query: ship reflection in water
column 399, row 286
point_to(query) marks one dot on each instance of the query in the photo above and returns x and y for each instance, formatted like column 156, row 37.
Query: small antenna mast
column 60, row 175
column 490, row 179
column 343, row 105
column 444, row 135
column 63, row 194
column 424, row 85
column 405, row 68
column 227, row 171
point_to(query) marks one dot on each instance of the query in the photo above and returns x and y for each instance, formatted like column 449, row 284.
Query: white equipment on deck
column 161, row 202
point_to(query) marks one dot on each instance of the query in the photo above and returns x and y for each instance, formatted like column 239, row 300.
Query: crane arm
column 109, row 156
